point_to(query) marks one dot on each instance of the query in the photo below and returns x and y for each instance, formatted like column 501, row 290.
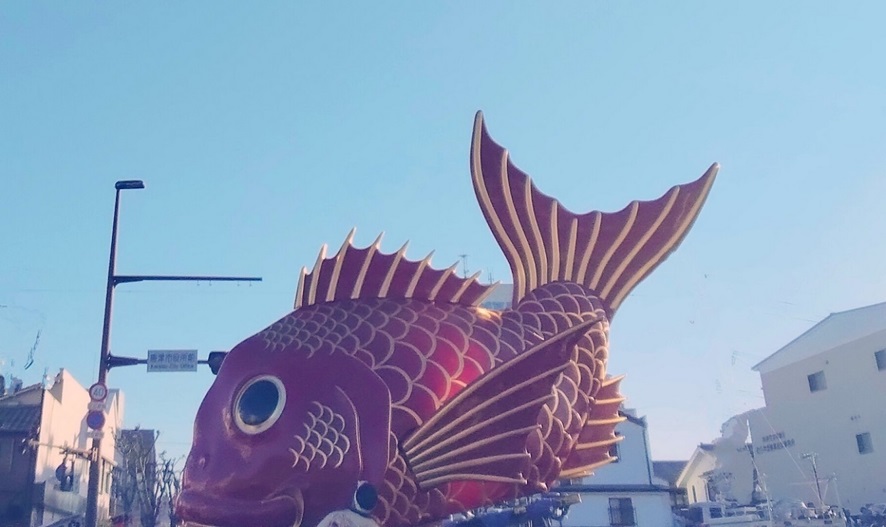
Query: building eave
column 641, row 421
column 827, row 321
column 702, row 450
column 612, row 489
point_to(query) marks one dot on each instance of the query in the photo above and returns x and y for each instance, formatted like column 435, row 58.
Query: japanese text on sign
column 172, row 360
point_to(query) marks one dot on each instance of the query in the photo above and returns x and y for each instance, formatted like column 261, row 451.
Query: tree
column 171, row 481
column 144, row 481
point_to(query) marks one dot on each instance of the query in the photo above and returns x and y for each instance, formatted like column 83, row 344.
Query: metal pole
column 107, row 360
column 95, row 464
column 817, row 483
column 812, row 457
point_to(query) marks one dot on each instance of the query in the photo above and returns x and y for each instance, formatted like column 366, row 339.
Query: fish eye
column 365, row 498
column 259, row 404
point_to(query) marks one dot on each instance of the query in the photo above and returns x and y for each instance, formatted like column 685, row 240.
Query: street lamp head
column 129, row 184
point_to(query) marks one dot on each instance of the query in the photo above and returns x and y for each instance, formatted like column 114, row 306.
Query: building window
column 108, row 476
column 678, row 498
column 817, row 381
column 881, row 359
column 613, row 449
column 621, row 512
column 6, row 448
column 865, row 445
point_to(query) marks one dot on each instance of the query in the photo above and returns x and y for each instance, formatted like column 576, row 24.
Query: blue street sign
column 95, row 419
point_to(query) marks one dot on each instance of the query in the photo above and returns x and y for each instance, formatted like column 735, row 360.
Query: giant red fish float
column 390, row 394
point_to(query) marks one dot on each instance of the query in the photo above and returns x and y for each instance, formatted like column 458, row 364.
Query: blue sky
column 264, row 130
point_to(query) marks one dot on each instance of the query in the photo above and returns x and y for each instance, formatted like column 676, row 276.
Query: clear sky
column 263, row 130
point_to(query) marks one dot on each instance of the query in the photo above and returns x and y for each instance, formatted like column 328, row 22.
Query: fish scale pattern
column 554, row 308
column 425, row 353
column 401, row 502
column 323, row 441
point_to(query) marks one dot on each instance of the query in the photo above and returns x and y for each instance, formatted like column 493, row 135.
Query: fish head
column 284, row 437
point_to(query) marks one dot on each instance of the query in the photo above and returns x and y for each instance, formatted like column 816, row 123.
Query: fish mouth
column 199, row 509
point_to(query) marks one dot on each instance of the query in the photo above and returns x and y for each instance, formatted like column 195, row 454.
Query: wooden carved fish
column 389, row 391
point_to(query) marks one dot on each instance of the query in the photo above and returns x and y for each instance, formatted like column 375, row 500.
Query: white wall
column 650, row 510
column 692, row 478
column 631, row 477
column 633, row 465
column 63, row 424
column 722, row 470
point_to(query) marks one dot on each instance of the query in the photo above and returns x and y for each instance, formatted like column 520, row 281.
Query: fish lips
column 284, row 509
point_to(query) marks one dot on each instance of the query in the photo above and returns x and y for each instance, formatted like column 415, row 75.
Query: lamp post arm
column 125, row 279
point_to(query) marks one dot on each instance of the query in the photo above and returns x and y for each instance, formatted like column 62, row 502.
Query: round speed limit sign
column 98, row 392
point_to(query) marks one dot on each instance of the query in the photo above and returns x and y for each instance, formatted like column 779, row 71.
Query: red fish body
column 388, row 390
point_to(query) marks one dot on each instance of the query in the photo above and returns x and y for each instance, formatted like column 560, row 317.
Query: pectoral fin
column 481, row 433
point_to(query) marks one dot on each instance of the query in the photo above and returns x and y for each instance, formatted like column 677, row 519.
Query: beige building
column 825, row 398
column 43, row 439
column 823, row 429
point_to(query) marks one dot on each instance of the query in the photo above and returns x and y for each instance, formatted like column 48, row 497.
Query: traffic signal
column 65, row 478
column 215, row 360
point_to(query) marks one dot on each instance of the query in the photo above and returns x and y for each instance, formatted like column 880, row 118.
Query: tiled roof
column 633, row 418
column 10, row 396
column 19, row 418
column 668, row 470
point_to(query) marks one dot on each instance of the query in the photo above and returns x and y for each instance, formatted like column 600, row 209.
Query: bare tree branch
column 144, row 479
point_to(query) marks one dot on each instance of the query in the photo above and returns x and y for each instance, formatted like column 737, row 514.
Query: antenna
column 464, row 265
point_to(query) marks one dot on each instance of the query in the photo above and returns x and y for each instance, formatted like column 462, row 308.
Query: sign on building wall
column 773, row 442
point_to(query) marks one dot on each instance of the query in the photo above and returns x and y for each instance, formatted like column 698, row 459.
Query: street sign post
column 96, row 406
column 172, row 360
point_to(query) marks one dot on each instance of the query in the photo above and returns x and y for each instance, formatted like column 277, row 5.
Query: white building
column 825, row 395
column 694, row 476
column 626, row 492
column 722, row 470
column 825, row 416
column 42, row 432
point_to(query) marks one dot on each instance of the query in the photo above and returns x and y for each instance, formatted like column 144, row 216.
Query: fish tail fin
column 609, row 253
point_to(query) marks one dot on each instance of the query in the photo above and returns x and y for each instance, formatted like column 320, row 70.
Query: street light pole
column 108, row 361
column 95, row 464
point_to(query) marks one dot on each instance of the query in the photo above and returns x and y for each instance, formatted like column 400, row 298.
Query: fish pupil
column 365, row 498
column 258, row 402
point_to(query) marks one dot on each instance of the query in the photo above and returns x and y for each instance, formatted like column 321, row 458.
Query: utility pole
column 812, row 456
column 106, row 360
